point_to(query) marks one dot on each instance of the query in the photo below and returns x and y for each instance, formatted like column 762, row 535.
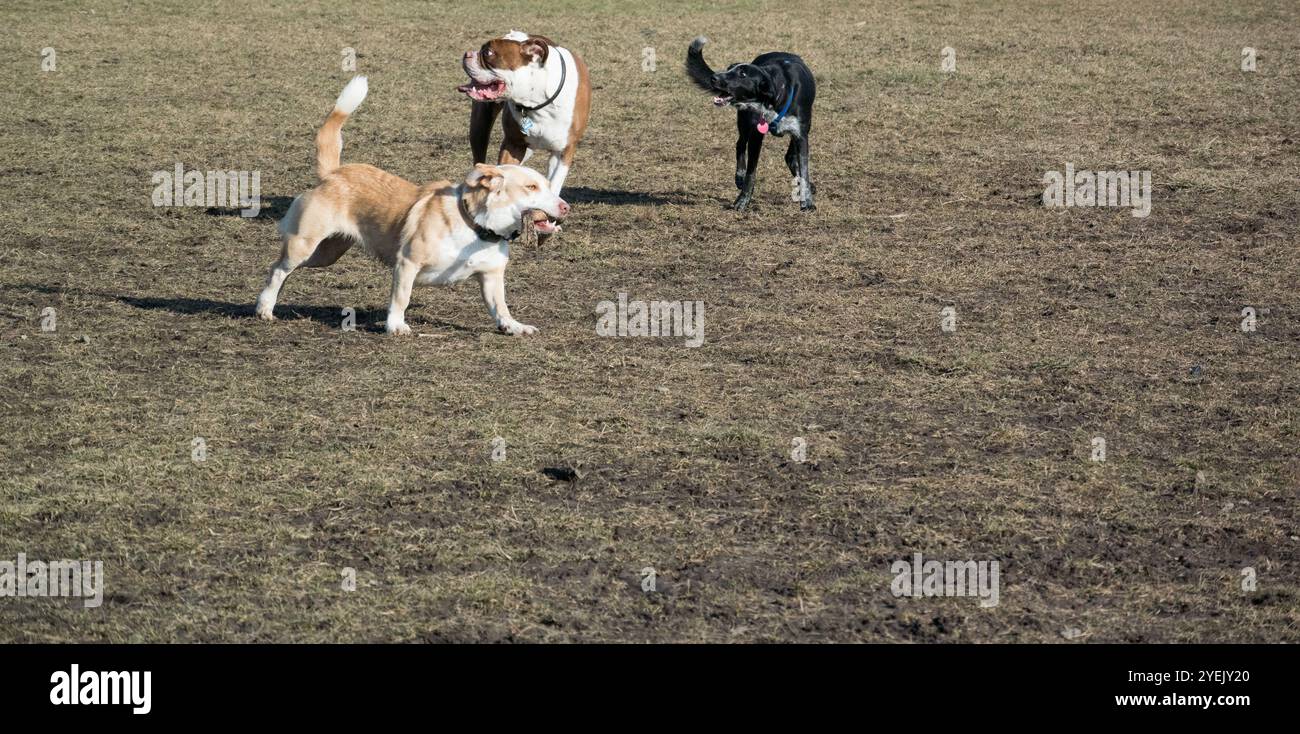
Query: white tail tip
column 352, row 95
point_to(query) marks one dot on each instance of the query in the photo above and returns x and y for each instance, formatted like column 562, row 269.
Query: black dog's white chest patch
column 788, row 125
column 768, row 113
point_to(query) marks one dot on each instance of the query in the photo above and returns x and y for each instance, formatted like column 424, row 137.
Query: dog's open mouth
column 721, row 100
column 483, row 91
column 545, row 223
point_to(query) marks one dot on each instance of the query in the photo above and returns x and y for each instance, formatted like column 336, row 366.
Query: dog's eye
column 491, row 53
column 533, row 187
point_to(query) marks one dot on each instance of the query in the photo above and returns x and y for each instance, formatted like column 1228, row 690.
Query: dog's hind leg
column 297, row 250
column 805, row 177
column 308, row 240
column 329, row 251
column 796, row 159
column 792, row 157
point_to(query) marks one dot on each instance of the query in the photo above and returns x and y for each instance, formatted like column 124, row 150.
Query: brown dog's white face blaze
column 499, row 197
column 504, row 64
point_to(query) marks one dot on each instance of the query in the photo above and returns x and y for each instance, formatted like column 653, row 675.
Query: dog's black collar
column 564, row 71
column 483, row 232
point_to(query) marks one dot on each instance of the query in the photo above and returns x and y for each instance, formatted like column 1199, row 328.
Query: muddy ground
column 329, row 450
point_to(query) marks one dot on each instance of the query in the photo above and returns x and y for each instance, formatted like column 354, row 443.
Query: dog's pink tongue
column 473, row 90
column 719, row 101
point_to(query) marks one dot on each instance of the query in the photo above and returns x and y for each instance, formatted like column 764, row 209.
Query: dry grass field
column 330, row 449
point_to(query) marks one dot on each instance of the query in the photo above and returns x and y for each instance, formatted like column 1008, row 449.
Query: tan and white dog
column 547, row 95
column 439, row 233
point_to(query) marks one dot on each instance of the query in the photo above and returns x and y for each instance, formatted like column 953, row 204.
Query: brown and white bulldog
column 547, row 95
column 439, row 233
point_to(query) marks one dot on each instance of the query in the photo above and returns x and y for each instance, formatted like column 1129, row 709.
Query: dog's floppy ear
column 538, row 47
column 487, row 177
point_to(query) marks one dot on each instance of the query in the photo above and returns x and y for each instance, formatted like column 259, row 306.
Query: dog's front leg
column 404, row 272
column 494, row 297
column 482, row 115
column 752, row 141
column 558, row 170
column 742, row 145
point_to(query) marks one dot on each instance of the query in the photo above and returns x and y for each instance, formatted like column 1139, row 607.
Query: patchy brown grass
column 331, row 449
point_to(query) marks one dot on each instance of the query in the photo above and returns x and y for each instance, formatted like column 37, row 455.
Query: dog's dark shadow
column 367, row 319
column 191, row 306
column 271, row 207
column 585, row 195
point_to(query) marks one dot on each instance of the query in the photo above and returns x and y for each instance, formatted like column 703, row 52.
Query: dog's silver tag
column 526, row 124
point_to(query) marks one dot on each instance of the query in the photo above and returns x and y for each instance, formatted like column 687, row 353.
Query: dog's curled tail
column 696, row 67
column 329, row 141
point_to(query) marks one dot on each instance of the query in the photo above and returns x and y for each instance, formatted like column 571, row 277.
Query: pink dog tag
column 762, row 127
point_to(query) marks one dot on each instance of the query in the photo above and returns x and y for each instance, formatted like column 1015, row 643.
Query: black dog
column 773, row 93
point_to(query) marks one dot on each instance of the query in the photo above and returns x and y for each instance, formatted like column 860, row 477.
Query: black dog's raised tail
column 696, row 67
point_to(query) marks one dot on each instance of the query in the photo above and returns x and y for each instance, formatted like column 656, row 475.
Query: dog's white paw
column 514, row 328
column 397, row 328
column 264, row 307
